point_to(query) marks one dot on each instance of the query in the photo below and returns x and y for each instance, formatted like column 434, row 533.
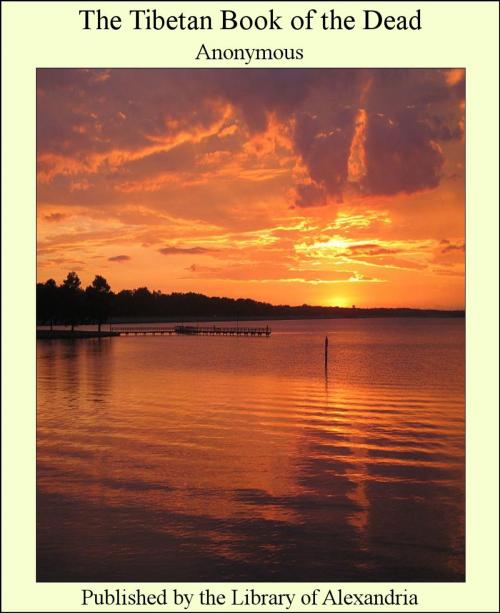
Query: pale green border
column 49, row 34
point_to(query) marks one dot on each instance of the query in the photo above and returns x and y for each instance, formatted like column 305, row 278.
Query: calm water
column 225, row 459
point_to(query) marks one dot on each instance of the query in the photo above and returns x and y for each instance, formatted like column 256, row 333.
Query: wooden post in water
column 326, row 352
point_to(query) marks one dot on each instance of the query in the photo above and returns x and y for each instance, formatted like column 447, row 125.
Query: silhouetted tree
column 142, row 300
column 72, row 281
column 98, row 301
column 47, row 305
column 71, row 300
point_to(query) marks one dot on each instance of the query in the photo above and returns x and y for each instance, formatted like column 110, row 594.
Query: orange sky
column 323, row 186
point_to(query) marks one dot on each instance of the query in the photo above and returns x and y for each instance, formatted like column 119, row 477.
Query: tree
column 72, row 281
column 71, row 300
column 48, row 302
column 98, row 297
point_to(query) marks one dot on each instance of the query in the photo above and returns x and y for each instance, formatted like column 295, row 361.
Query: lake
column 184, row 458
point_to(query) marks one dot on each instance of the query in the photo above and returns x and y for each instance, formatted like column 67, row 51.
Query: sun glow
column 339, row 301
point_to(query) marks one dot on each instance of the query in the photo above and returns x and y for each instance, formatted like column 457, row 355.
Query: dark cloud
column 401, row 136
column 453, row 247
column 96, row 117
column 257, row 92
column 119, row 258
column 370, row 249
column 401, row 155
column 310, row 194
column 86, row 111
column 184, row 250
column 54, row 217
column 323, row 144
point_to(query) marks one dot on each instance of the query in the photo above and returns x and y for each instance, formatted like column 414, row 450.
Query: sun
column 339, row 301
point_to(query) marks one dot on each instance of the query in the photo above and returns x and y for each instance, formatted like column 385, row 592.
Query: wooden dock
column 190, row 330
column 142, row 331
column 218, row 331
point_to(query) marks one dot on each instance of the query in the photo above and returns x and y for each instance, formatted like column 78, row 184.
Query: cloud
column 269, row 272
column 119, row 258
column 453, row 247
column 401, row 155
column 184, row 250
column 454, row 76
column 367, row 132
column 370, row 249
column 310, row 194
column 449, row 255
column 382, row 137
column 388, row 254
column 54, row 217
column 323, row 144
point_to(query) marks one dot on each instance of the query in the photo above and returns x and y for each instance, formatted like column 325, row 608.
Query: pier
column 143, row 331
column 191, row 330
column 218, row 331
column 154, row 331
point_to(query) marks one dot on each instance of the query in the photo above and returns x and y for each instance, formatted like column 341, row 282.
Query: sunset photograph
column 250, row 324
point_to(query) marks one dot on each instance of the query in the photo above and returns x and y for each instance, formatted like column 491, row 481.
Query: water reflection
column 242, row 459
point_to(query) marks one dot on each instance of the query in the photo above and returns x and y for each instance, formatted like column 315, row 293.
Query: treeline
column 70, row 304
